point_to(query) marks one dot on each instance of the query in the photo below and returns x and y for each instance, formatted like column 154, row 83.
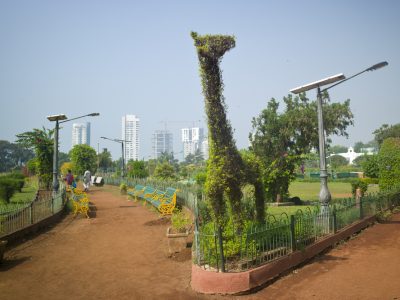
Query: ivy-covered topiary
column 226, row 169
column 389, row 164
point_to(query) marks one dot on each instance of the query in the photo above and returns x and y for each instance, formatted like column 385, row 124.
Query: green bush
column 20, row 178
column 180, row 221
column 123, row 188
column 8, row 186
column 389, row 164
column 358, row 184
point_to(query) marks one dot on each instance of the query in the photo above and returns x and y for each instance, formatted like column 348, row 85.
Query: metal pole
column 324, row 194
column 55, row 159
column 123, row 163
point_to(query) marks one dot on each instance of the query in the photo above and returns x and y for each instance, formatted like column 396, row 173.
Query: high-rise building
column 162, row 143
column 192, row 139
column 204, row 148
column 130, row 134
column 80, row 134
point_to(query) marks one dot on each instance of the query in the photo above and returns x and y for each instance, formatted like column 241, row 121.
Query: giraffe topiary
column 227, row 171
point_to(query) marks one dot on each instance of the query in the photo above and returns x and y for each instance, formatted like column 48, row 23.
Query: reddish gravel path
column 118, row 255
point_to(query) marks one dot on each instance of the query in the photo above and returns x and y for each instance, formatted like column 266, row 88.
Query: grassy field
column 309, row 191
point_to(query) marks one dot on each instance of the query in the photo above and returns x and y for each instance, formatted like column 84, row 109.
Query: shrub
column 389, row 163
column 180, row 221
column 123, row 188
column 19, row 178
column 358, row 184
column 8, row 186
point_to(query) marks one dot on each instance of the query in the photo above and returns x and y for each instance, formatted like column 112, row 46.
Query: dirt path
column 118, row 255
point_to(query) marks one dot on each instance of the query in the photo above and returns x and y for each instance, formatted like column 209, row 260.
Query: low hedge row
column 9, row 184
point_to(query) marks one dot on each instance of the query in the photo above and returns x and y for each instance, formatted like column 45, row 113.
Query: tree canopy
column 386, row 131
column 137, row 169
column 13, row 155
column 83, row 158
column 281, row 140
column 41, row 141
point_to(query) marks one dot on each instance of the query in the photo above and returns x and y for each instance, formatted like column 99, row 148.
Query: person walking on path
column 69, row 178
column 86, row 180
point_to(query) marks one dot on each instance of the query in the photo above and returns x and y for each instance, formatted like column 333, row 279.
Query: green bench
column 164, row 201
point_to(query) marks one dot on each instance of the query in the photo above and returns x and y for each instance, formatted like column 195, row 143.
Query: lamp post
column 324, row 194
column 123, row 153
column 61, row 118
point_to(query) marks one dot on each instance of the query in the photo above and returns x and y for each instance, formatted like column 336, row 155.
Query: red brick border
column 209, row 282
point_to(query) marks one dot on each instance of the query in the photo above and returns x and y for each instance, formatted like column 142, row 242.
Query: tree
column 137, row 169
column 338, row 161
column 337, row 149
column 358, row 146
column 41, row 141
column 62, row 158
column 13, row 155
column 359, row 161
column 281, row 140
column 386, row 131
column 83, row 158
column 165, row 171
column 389, row 163
column 104, row 159
column 371, row 166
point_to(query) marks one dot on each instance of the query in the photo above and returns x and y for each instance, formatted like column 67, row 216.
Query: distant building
column 162, row 142
column 80, row 134
column 192, row 139
column 130, row 134
column 350, row 155
column 204, row 148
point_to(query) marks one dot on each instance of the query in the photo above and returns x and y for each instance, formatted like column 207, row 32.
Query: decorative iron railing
column 255, row 245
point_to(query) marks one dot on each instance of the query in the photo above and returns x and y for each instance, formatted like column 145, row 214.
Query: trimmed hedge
column 389, row 164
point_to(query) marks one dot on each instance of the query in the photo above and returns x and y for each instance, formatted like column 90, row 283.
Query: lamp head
column 378, row 66
column 94, row 114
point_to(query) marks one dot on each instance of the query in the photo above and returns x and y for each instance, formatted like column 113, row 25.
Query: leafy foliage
column 13, row 155
column 105, row 161
column 389, row 163
column 41, row 140
column 164, row 171
column 282, row 140
column 386, row 131
column 83, row 158
column 338, row 161
column 371, row 166
column 137, row 168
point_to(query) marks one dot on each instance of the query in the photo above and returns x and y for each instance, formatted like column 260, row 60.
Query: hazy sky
column 137, row 57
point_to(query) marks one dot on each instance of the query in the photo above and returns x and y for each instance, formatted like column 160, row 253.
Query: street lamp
column 60, row 119
column 325, row 195
column 123, row 153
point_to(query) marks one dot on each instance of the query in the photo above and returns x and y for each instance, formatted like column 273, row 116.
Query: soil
column 122, row 253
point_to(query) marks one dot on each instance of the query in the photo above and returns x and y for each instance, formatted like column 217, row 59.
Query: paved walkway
column 121, row 253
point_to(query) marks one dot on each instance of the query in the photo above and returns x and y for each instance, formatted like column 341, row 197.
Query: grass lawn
column 309, row 191
column 289, row 210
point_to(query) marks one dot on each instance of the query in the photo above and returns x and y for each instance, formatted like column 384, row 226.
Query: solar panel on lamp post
column 325, row 195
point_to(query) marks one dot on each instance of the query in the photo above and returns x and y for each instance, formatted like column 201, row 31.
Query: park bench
column 80, row 202
column 137, row 191
column 164, row 201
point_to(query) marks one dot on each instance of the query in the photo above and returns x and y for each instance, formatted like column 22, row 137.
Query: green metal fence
column 31, row 213
column 279, row 236
column 186, row 196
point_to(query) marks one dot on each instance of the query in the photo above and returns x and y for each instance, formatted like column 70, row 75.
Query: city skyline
column 82, row 57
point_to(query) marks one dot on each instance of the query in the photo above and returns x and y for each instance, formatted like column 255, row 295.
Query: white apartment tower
column 130, row 134
column 192, row 139
column 162, row 143
column 80, row 134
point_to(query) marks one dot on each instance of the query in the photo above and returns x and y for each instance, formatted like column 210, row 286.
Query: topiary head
column 213, row 46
